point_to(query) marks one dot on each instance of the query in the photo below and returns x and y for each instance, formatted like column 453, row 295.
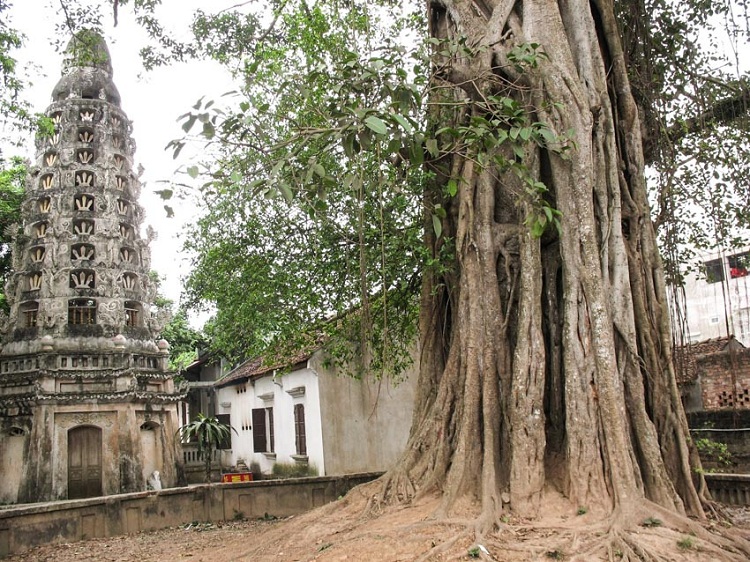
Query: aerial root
column 636, row 552
column 395, row 488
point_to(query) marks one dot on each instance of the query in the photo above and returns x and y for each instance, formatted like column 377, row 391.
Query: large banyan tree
column 545, row 351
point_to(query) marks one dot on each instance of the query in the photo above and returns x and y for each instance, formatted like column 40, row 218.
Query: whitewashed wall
column 239, row 406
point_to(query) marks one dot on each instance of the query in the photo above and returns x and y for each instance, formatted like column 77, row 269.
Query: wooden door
column 84, row 462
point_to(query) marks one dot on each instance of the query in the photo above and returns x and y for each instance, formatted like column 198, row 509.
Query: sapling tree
column 209, row 433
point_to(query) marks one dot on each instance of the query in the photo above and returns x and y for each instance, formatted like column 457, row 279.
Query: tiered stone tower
column 87, row 405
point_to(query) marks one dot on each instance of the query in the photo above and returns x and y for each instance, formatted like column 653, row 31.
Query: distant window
column 131, row 313
column 226, row 443
column 739, row 264
column 714, row 271
column 714, row 320
column 300, row 439
column 30, row 313
column 82, row 311
column 263, row 430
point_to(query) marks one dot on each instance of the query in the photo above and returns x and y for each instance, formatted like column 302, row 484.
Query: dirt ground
column 347, row 531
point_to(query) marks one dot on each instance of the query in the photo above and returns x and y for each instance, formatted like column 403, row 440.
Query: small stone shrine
column 87, row 404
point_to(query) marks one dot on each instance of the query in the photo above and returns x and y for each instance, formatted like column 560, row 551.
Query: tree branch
column 723, row 112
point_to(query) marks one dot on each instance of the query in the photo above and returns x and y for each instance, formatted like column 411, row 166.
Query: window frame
column 300, row 432
column 262, row 426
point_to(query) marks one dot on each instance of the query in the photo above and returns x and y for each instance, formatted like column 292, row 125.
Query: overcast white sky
column 152, row 100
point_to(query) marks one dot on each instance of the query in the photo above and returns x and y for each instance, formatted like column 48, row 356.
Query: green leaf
column 548, row 135
column 437, row 225
column 417, row 153
column 319, row 170
column 188, row 124
column 452, row 187
column 376, row 125
column 208, row 130
column 537, row 229
column 286, row 191
column 364, row 139
column 178, row 146
column 432, row 147
column 255, row 184
column 403, row 122
column 351, row 145
column 193, row 171
column 235, row 176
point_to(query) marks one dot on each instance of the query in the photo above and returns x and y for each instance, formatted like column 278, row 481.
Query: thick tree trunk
column 546, row 361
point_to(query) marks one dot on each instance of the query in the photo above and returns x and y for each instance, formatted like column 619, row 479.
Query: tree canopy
column 12, row 179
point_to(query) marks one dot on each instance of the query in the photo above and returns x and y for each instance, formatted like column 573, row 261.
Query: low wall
column 24, row 527
column 732, row 489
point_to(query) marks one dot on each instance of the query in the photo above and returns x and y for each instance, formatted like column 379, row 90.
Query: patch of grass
column 556, row 554
column 582, row 510
column 651, row 522
column 294, row 470
column 238, row 515
column 474, row 552
column 322, row 547
column 686, row 543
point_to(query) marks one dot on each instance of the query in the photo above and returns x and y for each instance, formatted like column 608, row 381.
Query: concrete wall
column 366, row 422
column 22, row 528
column 732, row 489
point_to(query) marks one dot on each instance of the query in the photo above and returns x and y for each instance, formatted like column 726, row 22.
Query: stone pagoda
column 87, row 404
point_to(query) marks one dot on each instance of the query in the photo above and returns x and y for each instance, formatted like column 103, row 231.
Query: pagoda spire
column 83, row 381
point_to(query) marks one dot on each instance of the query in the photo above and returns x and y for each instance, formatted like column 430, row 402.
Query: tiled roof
column 685, row 356
column 256, row 367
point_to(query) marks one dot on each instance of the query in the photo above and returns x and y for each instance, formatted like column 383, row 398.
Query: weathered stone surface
column 79, row 345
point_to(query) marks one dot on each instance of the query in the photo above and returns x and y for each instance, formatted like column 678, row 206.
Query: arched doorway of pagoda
column 84, row 462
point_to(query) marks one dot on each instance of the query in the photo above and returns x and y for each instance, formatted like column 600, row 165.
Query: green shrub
column 294, row 470
column 686, row 543
column 713, row 451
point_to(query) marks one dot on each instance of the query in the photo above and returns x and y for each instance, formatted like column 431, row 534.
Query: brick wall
column 717, row 373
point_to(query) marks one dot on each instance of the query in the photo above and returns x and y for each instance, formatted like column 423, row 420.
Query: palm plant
column 209, row 433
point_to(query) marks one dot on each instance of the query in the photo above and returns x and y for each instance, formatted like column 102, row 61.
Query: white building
column 307, row 413
column 717, row 297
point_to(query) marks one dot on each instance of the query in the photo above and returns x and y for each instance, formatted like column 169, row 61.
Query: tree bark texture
column 546, row 361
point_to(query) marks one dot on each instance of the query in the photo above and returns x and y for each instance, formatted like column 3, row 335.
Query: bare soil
column 351, row 530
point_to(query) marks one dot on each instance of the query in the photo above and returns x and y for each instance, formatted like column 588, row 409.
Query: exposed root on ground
column 362, row 526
